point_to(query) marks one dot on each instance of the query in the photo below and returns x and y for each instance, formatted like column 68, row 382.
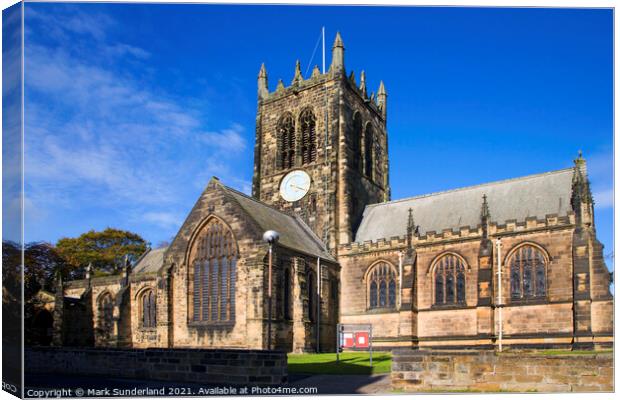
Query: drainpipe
column 400, row 279
column 318, row 304
column 498, row 243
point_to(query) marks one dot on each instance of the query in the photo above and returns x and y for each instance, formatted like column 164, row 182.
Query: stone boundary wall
column 486, row 371
column 180, row 365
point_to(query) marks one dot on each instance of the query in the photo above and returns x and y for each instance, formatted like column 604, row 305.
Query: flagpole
column 323, row 33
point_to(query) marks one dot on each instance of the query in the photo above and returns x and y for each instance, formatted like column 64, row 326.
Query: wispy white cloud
column 97, row 135
column 163, row 219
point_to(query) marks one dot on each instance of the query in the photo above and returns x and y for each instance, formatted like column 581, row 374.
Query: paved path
column 345, row 384
column 324, row 384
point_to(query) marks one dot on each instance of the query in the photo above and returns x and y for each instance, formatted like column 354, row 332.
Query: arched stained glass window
column 449, row 278
column 373, row 294
column 392, row 294
column 214, row 261
column 106, row 315
column 528, row 277
column 382, row 286
column 286, row 141
column 307, row 123
column 149, row 309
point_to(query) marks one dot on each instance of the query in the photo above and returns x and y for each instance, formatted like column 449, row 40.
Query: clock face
column 295, row 185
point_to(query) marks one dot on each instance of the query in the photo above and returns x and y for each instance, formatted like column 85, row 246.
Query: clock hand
column 297, row 187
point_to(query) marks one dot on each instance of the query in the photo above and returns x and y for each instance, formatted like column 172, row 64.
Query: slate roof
column 151, row 261
column 519, row 198
column 294, row 233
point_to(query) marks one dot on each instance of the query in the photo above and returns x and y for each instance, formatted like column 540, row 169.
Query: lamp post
column 270, row 237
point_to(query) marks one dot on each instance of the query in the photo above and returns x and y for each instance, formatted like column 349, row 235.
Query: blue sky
column 131, row 108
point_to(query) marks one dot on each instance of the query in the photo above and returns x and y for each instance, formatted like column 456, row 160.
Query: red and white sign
column 347, row 340
column 361, row 339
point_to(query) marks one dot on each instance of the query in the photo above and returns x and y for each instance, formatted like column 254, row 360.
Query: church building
column 516, row 260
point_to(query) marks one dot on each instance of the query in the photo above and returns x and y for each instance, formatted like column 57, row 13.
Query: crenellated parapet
column 377, row 103
column 493, row 229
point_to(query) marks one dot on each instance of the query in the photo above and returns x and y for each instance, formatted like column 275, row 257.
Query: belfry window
column 528, row 277
column 377, row 161
column 356, row 144
column 214, row 269
column 307, row 123
column 106, row 314
column 368, row 150
column 382, row 286
column 449, row 278
column 149, row 309
column 286, row 141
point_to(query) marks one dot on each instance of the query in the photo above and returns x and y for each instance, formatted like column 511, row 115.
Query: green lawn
column 351, row 363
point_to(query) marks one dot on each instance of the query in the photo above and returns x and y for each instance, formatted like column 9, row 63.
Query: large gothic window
column 528, row 276
column 149, row 309
column 356, row 144
column 106, row 314
column 449, row 275
column 382, row 286
column 214, row 274
column 286, row 141
column 307, row 123
column 368, row 150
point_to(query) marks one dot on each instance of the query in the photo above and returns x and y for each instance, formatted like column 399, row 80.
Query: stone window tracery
column 106, row 314
column 528, row 277
column 382, row 286
column 286, row 141
column 307, row 123
column 214, row 269
column 449, row 276
column 149, row 309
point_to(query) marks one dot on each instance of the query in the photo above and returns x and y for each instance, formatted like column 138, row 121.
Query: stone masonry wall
column 424, row 371
column 178, row 365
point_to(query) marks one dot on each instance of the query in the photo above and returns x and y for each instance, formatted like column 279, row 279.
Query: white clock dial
column 295, row 185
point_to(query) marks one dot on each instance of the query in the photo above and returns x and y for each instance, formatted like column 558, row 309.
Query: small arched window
column 382, row 286
column 286, row 141
column 149, row 309
column 106, row 314
column 368, row 149
column 528, row 276
column 449, row 278
column 214, row 270
column 307, row 123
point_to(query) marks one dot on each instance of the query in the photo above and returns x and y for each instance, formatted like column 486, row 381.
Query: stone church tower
column 323, row 139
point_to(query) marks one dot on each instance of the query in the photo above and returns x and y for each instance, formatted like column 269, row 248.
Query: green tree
column 106, row 250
